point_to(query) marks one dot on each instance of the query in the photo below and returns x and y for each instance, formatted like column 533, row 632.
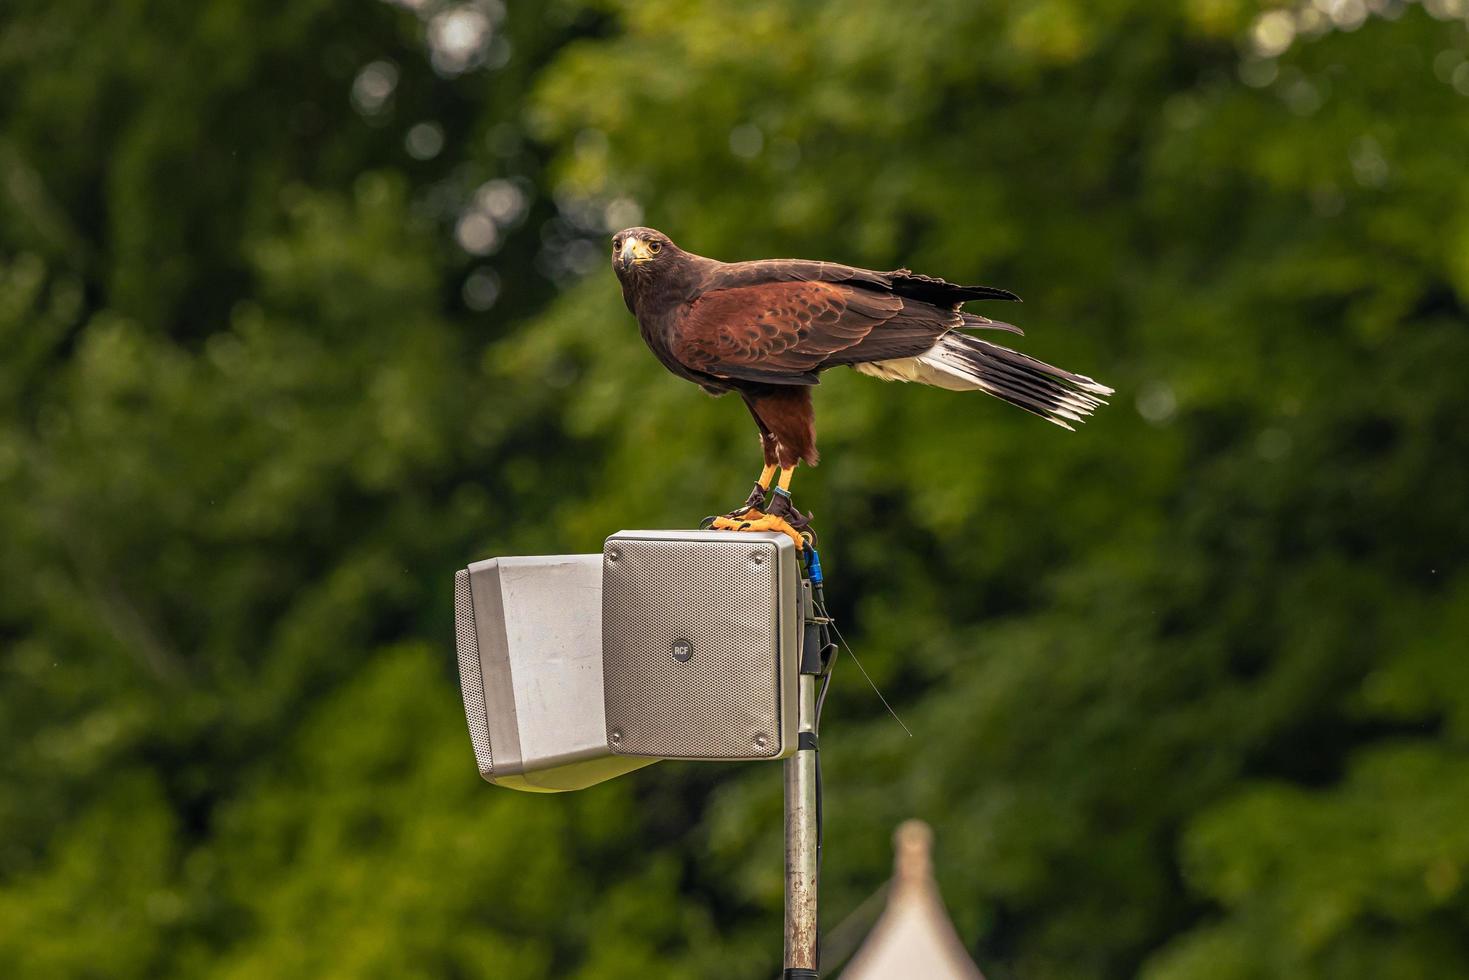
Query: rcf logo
column 682, row 650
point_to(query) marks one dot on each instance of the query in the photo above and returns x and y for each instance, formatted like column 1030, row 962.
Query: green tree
column 302, row 308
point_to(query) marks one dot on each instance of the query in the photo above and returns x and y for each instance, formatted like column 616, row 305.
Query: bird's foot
column 753, row 507
column 754, row 520
column 782, row 516
column 781, row 508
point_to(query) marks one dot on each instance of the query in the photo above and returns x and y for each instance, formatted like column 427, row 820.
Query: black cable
column 821, row 694
column 818, row 812
column 818, row 604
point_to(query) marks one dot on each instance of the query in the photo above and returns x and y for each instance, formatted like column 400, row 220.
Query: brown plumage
column 767, row 329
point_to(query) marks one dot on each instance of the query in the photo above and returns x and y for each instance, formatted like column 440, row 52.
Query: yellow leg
column 768, row 474
column 754, row 520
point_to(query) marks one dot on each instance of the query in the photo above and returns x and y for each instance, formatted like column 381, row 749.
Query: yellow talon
column 736, row 521
column 753, row 520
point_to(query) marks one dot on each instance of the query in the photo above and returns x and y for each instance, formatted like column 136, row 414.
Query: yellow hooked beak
column 634, row 250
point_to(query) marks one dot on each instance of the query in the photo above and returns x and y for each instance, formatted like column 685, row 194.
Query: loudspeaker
column 529, row 633
column 701, row 634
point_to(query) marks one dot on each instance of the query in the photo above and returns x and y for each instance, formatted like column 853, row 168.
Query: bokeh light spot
column 1156, row 402
column 1273, row 32
column 746, row 141
column 374, row 86
column 424, row 141
column 481, row 289
column 477, row 234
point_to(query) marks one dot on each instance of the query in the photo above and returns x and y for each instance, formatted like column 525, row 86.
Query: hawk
column 767, row 329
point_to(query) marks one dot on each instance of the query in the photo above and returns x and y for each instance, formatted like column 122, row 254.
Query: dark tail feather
column 973, row 321
column 1054, row 394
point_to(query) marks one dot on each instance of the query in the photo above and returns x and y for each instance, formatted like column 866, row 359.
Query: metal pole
column 801, row 836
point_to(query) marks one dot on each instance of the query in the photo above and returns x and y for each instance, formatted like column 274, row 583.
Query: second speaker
column 701, row 636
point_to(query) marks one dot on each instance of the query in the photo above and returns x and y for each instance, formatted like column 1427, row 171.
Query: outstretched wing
column 783, row 332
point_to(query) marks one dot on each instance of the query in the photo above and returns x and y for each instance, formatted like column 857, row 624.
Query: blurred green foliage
column 303, row 306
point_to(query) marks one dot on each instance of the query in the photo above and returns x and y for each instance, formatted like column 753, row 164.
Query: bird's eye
column 655, row 247
column 616, row 244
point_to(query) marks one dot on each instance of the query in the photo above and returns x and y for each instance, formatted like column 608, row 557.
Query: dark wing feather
column 905, row 282
column 785, row 332
column 901, row 282
column 732, row 275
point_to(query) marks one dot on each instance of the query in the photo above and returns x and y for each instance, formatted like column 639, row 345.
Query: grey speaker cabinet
column 529, row 634
column 669, row 645
column 701, row 635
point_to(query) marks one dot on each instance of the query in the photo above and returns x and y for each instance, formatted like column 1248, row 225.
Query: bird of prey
column 767, row 329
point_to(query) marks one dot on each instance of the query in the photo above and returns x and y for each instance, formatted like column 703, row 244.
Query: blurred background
column 303, row 306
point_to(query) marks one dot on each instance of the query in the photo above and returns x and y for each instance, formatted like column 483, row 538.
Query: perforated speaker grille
column 471, row 683
column 690, row 648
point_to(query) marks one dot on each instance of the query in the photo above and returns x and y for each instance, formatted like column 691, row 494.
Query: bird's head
column 640, row 252
column 654, row 273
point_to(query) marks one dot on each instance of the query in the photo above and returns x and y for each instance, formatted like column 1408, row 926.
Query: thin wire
column 884, row 700
column 821, row 694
